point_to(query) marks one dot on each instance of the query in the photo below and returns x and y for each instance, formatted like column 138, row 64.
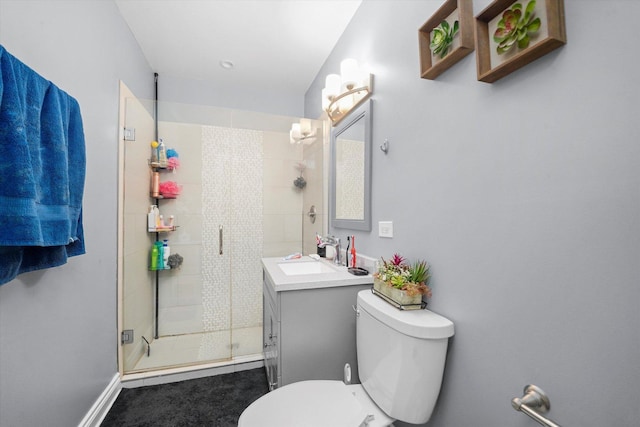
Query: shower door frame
column 321, row 227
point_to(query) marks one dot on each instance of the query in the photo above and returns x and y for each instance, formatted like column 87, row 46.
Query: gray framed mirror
column 350, row 189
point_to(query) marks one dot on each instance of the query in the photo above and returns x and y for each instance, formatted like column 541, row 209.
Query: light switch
column 385, row 228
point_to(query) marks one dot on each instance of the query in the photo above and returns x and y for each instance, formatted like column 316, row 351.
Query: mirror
column 350, row 192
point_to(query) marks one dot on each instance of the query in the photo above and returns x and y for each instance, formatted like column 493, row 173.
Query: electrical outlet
column 385, row 228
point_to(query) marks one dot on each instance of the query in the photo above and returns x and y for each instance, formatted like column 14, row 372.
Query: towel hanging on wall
column 42, row 171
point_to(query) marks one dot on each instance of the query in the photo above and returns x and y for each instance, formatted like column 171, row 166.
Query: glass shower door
column 237, row 204
column 163, row 312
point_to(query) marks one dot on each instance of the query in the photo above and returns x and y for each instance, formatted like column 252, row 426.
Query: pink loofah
column 169, row 189
column 173, row 163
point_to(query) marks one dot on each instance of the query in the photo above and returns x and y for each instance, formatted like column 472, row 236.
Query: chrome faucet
column 335, row 242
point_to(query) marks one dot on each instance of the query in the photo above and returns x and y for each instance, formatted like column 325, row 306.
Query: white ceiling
column 280, row 44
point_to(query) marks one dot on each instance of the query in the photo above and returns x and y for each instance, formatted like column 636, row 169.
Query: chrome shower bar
column 532, row 403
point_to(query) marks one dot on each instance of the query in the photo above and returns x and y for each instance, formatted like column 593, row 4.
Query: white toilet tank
column 401, row 357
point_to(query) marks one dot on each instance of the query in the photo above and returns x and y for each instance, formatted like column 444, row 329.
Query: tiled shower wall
column 232, row 228
column 282, row 210
column 314, row 193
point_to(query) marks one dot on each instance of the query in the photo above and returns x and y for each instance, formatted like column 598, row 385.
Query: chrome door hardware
column 220, row 239
column 148, row 346
column 129, row 134
column 126, row 337
column 385, row 146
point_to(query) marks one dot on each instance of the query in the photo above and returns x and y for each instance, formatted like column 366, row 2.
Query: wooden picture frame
column 552, row 35
column 431, row 66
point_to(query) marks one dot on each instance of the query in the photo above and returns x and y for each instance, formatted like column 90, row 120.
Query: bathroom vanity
column 309, row 321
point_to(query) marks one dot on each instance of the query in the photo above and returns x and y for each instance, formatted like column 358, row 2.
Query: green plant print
column 515, row 27
column 442, row 38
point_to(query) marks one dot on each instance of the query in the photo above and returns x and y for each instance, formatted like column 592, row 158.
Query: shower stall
column 237, row 203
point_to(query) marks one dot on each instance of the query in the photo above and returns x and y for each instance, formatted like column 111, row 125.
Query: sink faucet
column 335, row 242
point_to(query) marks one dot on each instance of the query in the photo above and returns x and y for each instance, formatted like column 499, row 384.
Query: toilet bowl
column 401, row 357
column 315, row 403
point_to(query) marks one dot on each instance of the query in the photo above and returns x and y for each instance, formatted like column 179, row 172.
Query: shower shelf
column 156, row 166
column 164, row 230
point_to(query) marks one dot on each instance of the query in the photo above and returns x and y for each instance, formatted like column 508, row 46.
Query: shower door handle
column 220, row 239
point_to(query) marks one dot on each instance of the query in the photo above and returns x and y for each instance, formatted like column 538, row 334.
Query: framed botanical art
column 510, row 34
column 446, row 37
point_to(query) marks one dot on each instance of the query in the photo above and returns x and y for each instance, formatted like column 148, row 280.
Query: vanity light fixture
column 302, row 132
column 342, row 93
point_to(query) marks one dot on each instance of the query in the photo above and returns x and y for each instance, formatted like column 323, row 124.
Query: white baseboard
column 101, row 406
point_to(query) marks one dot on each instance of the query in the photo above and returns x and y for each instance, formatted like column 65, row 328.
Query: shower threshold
column 198, row 355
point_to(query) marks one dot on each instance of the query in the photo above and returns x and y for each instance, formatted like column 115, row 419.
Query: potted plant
column 403, row 282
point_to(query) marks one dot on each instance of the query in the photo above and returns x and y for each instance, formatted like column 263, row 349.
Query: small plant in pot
column 403, row 282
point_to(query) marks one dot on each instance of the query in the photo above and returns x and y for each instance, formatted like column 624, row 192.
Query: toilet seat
column 314, row 404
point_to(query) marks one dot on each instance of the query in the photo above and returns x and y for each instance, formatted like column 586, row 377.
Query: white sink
column 300, row 268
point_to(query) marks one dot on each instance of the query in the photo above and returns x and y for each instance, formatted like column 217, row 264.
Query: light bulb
column 305, row 127
column 332, row 85
column 350, row 73
column 325, row 100
column 295, row 130
column 345, row 104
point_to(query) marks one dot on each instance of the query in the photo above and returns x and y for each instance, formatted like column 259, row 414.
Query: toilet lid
column 308, row 404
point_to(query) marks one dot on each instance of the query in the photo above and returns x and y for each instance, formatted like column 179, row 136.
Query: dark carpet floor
column 213, row 402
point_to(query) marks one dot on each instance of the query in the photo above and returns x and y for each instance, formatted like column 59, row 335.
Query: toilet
column 401, row 358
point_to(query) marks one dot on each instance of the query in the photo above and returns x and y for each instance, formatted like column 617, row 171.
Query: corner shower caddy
column 157, row 232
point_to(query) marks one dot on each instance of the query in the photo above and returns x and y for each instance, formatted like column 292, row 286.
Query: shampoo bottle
column 154, row 153
column 151, row 218
column 162, row 155
column 160, row 262
column 156, row 213
column 153, row 265
column 155, row 184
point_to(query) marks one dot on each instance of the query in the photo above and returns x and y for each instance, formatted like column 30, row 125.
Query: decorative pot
column 396, row 295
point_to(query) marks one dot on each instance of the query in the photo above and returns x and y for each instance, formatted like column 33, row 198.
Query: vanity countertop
column 330, row 276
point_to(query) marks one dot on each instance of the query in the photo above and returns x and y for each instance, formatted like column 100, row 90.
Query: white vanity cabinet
column 310, row 327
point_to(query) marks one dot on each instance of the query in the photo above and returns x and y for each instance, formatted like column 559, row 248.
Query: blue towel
column 42, row 172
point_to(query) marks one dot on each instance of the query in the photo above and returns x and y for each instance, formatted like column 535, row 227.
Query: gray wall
column 524, row 196
column 58, row 348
